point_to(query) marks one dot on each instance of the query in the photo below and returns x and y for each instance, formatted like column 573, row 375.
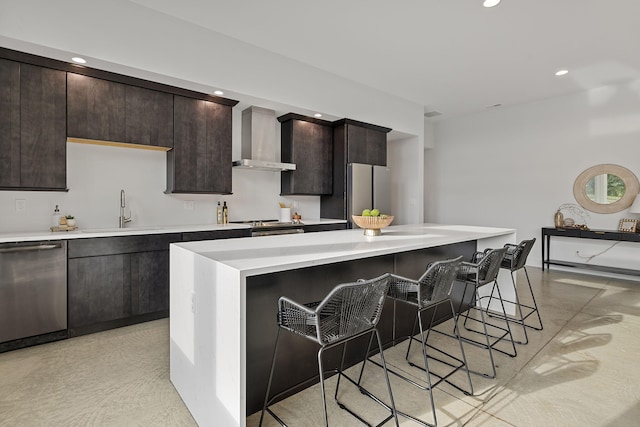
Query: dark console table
column 577, row 233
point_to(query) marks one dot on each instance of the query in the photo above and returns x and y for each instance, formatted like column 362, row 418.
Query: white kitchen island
column 223, row 293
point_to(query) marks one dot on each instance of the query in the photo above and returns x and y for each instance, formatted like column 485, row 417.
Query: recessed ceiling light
column 490, row 3
column 317, row 115
column 561, row 72
column 79, row 60
column 219, row 92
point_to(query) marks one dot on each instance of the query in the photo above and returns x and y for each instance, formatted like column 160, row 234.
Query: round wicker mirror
column 615, row 196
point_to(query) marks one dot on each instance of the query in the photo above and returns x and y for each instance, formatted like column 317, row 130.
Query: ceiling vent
column 430, row 114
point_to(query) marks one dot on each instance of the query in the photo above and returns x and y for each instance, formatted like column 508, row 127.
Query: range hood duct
column 258, row 150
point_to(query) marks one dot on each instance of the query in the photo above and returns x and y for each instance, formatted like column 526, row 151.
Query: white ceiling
column 451, row 56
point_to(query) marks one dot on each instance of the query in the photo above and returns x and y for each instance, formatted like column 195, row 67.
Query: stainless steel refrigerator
column 368, row 187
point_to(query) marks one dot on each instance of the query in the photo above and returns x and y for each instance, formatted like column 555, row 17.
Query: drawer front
column 630, row 237
column 98, row 246
column 215, row 235
column 566, row 232
column 599, row 234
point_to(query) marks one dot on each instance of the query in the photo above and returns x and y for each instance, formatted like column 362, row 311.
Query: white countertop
column 284, row 252
column 30, row 236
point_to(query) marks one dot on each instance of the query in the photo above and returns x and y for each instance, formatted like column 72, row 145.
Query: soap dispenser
column 55, row 218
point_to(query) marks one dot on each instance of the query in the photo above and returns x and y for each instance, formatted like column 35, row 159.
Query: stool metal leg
column 518, row 306
column 532, row 309
column 265, row 407
column 485, row 332
column 324, row 399
column 535, row 304
column 464, row 357
column 392, row 408
column 507, row 331
column 426, row 363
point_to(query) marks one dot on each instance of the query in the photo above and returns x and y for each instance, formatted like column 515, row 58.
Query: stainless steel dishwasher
column 33, row 291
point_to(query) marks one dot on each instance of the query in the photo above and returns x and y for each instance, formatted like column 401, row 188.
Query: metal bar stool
column 431, row 291
column 514, row 260
column 349, row 311
column 481, row 271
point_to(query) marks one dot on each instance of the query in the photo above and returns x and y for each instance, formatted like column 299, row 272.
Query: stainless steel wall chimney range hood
column 258, row 150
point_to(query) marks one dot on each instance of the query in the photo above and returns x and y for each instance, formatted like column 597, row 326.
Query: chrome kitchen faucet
column 123, row 220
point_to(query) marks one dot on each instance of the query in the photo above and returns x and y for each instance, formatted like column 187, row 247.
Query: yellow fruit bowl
column 372, row 224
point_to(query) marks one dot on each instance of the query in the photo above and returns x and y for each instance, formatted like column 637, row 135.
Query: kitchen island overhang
column 215, row 286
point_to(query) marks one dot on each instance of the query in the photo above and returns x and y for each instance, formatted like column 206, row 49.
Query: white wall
column 124, row 37
column 513, row 166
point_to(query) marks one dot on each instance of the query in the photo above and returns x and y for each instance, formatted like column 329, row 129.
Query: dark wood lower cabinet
column 99, row 290
column 149, row 282
column 117, row 281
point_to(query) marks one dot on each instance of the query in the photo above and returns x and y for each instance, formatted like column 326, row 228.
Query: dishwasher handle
column 28, row 248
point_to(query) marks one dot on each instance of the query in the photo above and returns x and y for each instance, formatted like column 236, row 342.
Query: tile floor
column 581, row 370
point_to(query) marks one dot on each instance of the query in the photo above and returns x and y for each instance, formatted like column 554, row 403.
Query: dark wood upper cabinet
column 95, row 108
column 353, row 142
column 109, row 111
column 43, row 139
column 44, row 101
column 9, row 123
column 307, row 142
column 33, row 126
column 200, row 161
column 148, row 117
column 365, row 144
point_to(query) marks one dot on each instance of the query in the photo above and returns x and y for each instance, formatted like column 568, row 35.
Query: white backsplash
column 96, row 174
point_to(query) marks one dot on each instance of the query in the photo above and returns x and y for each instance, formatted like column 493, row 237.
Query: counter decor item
column 628, row 225
column 561, row 219
column 285, row 214
column 372, row 224
column 65, row 223
column 219, row 214
column 64, row 228
column 55, row 218
column 225, row 213
column 558, row 219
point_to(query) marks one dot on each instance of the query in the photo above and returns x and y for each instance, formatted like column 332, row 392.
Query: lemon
column 366, row 212
column 375, row 212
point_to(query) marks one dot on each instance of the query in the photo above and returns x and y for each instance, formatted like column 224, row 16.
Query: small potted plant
column 71, row 222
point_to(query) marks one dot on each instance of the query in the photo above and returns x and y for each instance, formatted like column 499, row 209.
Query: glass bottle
column 225, row 213
column 219, row 214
